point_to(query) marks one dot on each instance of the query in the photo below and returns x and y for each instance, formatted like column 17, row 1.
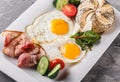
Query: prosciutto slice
column 19, row 45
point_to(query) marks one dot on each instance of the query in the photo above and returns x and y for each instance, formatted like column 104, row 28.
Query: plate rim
column 16, row 78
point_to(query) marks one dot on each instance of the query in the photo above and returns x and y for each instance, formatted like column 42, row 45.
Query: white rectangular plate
column 77, row 72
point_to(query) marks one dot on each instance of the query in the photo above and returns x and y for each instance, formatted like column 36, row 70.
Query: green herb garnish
column 86, row 39
column 75, row 2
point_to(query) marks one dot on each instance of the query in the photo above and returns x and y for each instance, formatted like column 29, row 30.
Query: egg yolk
column 70, row 51
column 59, row 26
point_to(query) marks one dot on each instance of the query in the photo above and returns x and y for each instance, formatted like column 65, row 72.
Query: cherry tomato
column 69, row 10
column 54, row 62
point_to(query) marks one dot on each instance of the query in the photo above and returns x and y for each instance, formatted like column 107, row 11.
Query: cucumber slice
column 43, row 65
column 60, row 3
column 54, row 72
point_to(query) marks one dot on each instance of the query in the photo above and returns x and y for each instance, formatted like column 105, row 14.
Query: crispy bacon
column 18, row 45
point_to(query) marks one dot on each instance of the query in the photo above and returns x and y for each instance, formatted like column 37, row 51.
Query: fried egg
column 50, row 26
column 53, row 30
column 65, row 49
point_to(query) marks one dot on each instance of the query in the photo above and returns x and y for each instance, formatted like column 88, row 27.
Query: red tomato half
column 54, row 62
column 69, row 10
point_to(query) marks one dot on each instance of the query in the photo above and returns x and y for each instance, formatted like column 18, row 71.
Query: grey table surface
column 107, row 69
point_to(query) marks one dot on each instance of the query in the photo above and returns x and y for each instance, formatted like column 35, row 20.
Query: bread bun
column 99, row 12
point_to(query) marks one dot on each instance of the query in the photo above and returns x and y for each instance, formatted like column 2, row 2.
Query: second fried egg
column 65, row 49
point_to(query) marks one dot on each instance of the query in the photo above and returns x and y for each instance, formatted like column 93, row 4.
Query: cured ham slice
column 9, row 36
column 19, row 45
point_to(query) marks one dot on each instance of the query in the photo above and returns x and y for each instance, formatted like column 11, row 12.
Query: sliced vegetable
column 69, row 10
column 43, row 65
column 75, row 2
column 54, row 72
column 54, row 62
column 60, row 3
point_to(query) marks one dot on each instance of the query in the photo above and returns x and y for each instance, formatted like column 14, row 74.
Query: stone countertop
column 107, row 69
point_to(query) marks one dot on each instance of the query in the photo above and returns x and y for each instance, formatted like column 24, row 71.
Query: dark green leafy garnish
column 75, row 2
column 86, row 39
